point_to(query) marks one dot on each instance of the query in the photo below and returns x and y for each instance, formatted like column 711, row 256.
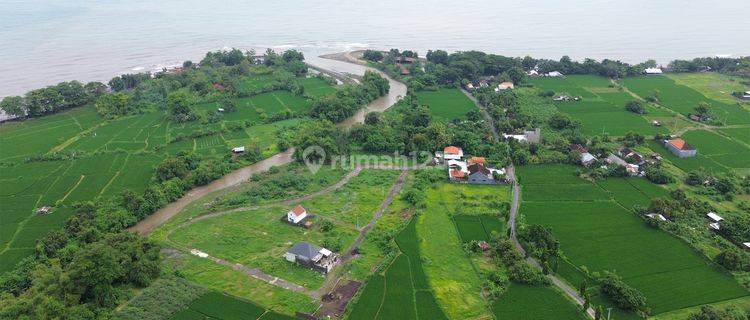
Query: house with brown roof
column 480, row 160
column 680, row 148
column 296, row 215
column 506, row 85
column 453, row 153
column 456, row 175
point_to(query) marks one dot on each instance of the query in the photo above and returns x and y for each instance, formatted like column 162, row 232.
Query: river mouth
column 396, row 92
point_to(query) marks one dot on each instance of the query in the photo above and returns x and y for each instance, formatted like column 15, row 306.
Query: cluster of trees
column 721, row 187
column 735, row 66
column 542, row 244
column 52, row 99
column 624, row 296
column 505, row 254
column 635, row 106
column 81, row 271
column 350, row 98
column 713, row 313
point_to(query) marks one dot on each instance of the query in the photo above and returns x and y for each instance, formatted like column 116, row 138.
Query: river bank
column 396, row 92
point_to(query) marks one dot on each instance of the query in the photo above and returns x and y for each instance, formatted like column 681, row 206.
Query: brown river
column 396, row 92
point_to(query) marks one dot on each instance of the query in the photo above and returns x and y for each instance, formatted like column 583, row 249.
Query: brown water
column 396, row 92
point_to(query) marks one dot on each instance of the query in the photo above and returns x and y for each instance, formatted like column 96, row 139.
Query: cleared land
column 112, row 156
column 446, row 104
column 602, row 235
column 602, row 107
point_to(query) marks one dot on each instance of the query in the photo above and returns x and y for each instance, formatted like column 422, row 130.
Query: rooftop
column 680, row 144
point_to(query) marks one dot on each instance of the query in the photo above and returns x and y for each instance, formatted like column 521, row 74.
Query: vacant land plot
column 534, row 303
column 602, row 107
column 446, row 104
column 402, row 292
column 214, row 305
column 478, row 228
column 449, row 270
column 602, row 235
column 316, row 87
column 684, row 99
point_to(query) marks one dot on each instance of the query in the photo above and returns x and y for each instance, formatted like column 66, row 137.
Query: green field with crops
column 446, row 104
column 478, row 228
column 684, row 99
column 214, row 305
column 77, row 155
column 600, row 234
column 402, row 291
column 602, row 105
column 534, row 303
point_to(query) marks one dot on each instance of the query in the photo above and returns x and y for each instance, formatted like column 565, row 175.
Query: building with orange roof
column 480, row 160
column 680, row 148
column 453, row 153
column 296, row 215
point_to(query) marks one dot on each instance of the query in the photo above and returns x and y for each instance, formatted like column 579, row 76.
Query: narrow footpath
column 485, row 113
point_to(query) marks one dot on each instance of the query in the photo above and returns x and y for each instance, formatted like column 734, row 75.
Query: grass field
column 112, row 156
column 478, row 228
column 446, row 104
column 214, row 305
column 713, row 85
column 684, row 99
column 523, row 302
column 602, row 108
column 602, row 235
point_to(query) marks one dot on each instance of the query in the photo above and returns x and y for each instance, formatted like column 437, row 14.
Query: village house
column 474, row 170
column 452, row 153
column 746, row 246
column 296, row 215
column 680, row 148
column 532, row 73
column 504, row 86
column 652, row 71
column 555, row 74
column 528, row 136
column 632, row 169
column 745, row 95
column 587, row 159
column 631, row 156
column 656, row 123
column 716, row 221
column 312, row 256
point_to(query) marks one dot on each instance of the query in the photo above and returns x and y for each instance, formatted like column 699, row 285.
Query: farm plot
column 686, row 164
column 446, row 104
column 602, row 107
column 449, row 270
column 713, row 85
column 724, row 151
column 602, row 235
column 402, row 292
column 683, row 99
column 214, row 305
column 524, row 302
column 316, row 87
column 478, row 228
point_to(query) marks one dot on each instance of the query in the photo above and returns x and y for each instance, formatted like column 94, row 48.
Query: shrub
column 621, row 294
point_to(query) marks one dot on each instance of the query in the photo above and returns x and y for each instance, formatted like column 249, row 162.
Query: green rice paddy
column 446, row 104
column 601, row 234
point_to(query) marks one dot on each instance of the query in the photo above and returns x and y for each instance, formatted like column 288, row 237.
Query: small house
column 656, row 123
column 220, row 110
column 238, row 149
column 695, row 118
column 532, row 73
column 470, row 86
column 312, row 256
column 453, row 153
column 745, row 95
column 613, row 159
column 296, row 215
column 219, row 86
column 507, row 85
column 479, row 174
column 653, row 71
column 483, row 245
column 555, row 74
column 714, row 217
column 587, row 159
column 746, row 245
column 456, row 175
column 680, row 148
column 480, row 160
column 528, row 136
column 714, row 226
column 578, row 147
column 44, row 210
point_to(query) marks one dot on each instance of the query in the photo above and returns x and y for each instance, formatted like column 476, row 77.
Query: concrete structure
column 504, row 86
column 714, row 217
column 312, row 256
column 656, row 216
column 555, row 74
column 453, row 153
column 528, row 136
column 680, row 148
column 238, row 149
column 296, row 215
column 587, row 159
column 478, row 174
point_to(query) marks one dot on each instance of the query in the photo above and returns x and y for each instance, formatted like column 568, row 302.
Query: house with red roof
column 296, row 215
column 680, row 148
column 453, row 153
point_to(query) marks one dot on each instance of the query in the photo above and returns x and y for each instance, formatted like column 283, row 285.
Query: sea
column 43, row 42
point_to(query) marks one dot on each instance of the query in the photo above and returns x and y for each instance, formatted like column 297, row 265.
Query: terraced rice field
column 446, row 104
column 110, row 157
column 683, row 99
column 601, row 234
column 602, row 107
